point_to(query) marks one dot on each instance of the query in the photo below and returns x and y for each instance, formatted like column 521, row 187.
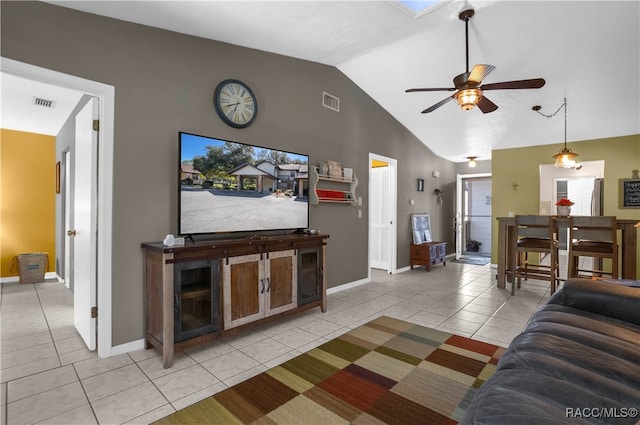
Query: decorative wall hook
column 515, row 186
column 439, row 194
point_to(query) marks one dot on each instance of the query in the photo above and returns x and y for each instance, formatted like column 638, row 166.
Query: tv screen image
column 227, row 186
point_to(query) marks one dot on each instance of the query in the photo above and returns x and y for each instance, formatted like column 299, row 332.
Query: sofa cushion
column 579, row 319
column 525, row 397
column 622, row 365
column 618, row 301
column 546, row 364
column 579, row 354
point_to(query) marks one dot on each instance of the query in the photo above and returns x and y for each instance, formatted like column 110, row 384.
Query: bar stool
column 595, row 237
column 535, row 233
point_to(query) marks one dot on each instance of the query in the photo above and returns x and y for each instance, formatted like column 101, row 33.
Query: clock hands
column 231, row 114
column 233, row 104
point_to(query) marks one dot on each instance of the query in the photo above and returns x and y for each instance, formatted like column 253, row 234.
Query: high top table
column 507, row 235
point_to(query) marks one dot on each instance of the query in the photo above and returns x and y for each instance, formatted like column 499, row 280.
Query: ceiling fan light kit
column 468, row 98
column 469, row 92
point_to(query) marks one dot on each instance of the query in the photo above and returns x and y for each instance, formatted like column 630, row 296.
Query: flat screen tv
column 227, row 186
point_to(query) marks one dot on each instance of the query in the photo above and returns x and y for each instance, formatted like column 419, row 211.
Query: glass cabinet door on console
column 196, row 298
column 255, row 286
column 309, row 275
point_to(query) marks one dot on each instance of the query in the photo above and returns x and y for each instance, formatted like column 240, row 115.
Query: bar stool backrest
column 534, row 226
column 594, row 228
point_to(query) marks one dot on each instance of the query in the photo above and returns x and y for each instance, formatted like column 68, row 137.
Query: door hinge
column 94, row 312
column 96, row 125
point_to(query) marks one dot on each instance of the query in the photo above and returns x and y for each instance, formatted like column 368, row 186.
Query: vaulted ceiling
column 587, row 51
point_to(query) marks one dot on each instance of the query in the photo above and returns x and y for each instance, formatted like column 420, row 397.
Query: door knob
column 71, row 232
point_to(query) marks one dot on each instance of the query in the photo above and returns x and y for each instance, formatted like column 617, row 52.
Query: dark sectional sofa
column 577, row 362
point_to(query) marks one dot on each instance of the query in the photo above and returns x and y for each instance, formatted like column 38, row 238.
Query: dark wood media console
column 198, row 292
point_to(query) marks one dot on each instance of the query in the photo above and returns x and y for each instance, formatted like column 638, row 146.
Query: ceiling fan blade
column 534, row 83
column 479, row 72
column 486, row 106
column 430, row 89
column 437, row 105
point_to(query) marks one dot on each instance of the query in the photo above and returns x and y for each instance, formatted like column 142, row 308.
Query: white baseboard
column 11, row 279
column 402, row 270
column 348, row 286
column 128, row 347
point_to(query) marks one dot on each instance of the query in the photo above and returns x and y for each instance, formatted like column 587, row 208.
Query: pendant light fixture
column 566, row 158
column 472, row 161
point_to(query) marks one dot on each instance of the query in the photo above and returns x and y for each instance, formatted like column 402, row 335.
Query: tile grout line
column 93, row 412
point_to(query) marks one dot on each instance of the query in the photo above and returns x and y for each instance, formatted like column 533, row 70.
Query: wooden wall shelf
column 331, row 189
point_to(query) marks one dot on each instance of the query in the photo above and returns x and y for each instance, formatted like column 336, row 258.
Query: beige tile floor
column 49, row 377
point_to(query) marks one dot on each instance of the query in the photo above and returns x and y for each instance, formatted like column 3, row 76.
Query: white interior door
column 383, row 207
column 380, row 218
column 66, row 190
column 84, row 233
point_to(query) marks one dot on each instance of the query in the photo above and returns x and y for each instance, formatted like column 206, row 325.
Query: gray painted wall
column 164, row 83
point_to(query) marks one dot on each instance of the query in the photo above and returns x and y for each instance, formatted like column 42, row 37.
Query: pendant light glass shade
column 565, row 158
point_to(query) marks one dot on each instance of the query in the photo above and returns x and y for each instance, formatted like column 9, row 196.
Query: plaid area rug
column 384, row 372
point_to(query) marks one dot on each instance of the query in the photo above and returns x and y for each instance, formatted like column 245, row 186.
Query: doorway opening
column 473, row 218
column 382, row 213
column 102, row 170
column 581, row 191
column 583, row 186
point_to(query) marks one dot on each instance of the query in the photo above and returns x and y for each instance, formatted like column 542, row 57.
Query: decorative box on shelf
column 428, row 254
column 332, row 183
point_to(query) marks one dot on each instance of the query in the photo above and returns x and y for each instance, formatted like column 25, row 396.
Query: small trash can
column 32, row 266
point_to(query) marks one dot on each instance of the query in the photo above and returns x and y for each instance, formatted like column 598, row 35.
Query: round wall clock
column 235, row 103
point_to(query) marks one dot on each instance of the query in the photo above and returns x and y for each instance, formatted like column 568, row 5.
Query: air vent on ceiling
column 330, row 101
column 45, row 103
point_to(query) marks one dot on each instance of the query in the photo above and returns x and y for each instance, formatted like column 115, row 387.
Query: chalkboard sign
column 629, row 193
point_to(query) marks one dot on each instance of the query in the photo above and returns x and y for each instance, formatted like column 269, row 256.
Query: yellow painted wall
column 521, row 166
column 27, row 185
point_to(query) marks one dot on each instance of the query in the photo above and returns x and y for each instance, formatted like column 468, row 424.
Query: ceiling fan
column 469, row 91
